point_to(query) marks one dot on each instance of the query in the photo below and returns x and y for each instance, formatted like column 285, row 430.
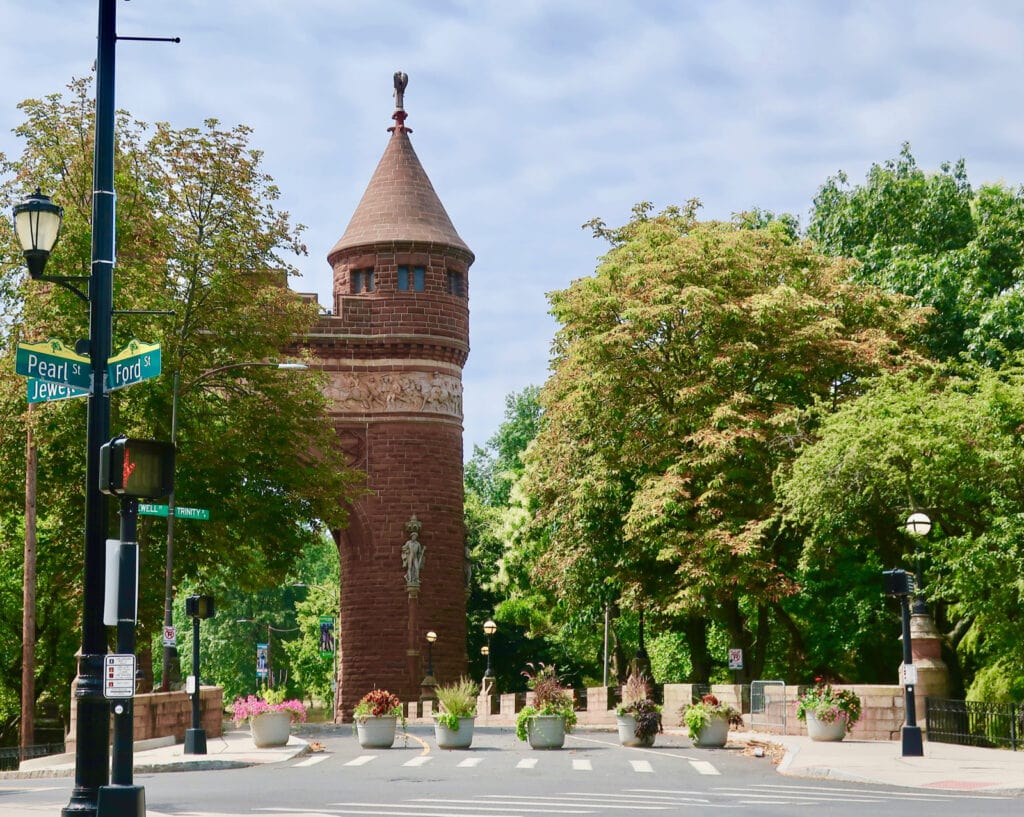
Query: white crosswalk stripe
column 311, row 761
column 470, row 762
column 527, row 763
column 419, row 760
column 703, row 767
column 581, row 764
column 362, row 760
column 641, row 766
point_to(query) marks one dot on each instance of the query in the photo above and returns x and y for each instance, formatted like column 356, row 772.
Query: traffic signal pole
column 92, row 730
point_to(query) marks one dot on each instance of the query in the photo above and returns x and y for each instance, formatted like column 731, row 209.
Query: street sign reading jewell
column 52, row 361
column 43, row 391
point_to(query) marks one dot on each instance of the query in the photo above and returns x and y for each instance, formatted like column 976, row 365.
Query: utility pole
column 28, row 615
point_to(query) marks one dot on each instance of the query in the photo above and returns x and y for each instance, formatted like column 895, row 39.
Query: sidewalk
column 944, row 766
column 233, row 750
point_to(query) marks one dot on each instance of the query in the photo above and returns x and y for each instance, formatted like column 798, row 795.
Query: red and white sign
column 735, row 659
column 119, row 676
column 170, row 635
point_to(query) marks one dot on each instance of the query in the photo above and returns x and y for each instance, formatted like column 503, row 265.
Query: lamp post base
column 913, row 745
column 195, row 741
column 121, row 801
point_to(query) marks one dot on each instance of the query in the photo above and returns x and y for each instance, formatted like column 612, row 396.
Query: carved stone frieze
column 377, row 392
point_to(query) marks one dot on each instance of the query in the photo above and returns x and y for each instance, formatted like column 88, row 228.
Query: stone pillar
column 932, row 672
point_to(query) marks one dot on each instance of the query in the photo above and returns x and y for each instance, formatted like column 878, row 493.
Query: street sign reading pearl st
column 52, row 361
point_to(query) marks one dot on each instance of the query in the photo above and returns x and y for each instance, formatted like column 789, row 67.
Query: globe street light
column 169, row 566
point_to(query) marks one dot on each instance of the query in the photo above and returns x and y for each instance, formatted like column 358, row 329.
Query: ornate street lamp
column 431, row 638
column 490, row 628
column 37, row 223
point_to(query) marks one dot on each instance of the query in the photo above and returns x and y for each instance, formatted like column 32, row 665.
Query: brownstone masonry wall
column 159, row 714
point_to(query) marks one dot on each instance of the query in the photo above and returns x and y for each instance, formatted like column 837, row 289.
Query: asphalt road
column 501, row 777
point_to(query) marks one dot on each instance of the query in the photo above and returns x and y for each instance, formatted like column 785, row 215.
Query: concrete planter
column 714, row 734
column 271, row 729
column 822, row 731
column 546, row 732
column 627, row 732
column 376, row 733
column 460, row 738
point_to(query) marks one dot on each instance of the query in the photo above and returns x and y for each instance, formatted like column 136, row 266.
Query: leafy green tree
column 950, row 446
column 200, row 236
column 679, row 368
column 492, row 515
column 932, row 237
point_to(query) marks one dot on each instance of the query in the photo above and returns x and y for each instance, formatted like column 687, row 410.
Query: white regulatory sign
column 170, row 634
column 118, row 676
column 909, row 675
column 735, row 659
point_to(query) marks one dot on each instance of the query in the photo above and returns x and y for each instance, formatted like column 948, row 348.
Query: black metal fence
column 10, row 756
column 975, row 723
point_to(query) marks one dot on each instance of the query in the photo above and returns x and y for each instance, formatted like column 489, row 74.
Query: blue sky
column 533, row 117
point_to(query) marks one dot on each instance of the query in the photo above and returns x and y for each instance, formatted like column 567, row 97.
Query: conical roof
column 399, row 203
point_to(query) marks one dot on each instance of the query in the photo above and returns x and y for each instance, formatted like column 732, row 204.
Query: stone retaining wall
column 159, row 714
column 882, row 710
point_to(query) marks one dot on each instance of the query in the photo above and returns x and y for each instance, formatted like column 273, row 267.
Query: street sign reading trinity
column 138, row 361
column 52, row 361
column 180, row 512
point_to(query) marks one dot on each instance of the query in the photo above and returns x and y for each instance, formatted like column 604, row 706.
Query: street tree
column 934, row 238
column 202, row 269
column 948, row 445
column 679, row 369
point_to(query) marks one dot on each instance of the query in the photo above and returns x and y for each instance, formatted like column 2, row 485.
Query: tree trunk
column 695, row 631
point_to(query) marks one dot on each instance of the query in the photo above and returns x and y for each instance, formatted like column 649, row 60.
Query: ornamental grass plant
column 457, row 700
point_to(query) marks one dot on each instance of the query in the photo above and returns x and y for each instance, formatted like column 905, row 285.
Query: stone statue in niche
column 412, row 553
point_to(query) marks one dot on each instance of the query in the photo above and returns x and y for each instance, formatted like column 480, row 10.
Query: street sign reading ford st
column 138, row 361
column 52, row 361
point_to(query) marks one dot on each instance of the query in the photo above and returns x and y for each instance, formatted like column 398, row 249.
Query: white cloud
column 532, row 117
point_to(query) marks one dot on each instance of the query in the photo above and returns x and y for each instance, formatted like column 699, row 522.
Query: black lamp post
column 490, row 628
column 431, row 638
column 918, row 524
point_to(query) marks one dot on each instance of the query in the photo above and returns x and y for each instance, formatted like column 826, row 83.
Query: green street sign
column 51, row 360
column 138, row 361
column 43, row 391
column 180, row 512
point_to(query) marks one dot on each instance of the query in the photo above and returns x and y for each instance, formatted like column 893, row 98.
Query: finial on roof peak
column 401, row 81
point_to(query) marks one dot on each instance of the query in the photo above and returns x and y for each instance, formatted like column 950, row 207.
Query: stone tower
column 394, row 349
